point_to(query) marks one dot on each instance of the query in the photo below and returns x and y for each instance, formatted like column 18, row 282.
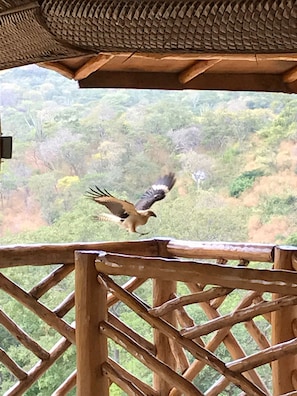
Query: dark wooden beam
column 170, row 81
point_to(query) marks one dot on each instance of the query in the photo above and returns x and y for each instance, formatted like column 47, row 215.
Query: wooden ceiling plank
column 92, row 65
column 290, row 76
column 196, row 69
column 59, row 68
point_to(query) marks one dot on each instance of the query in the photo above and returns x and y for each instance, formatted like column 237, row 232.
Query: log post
column 163, row 291
column 90, row 309
column 283, row 328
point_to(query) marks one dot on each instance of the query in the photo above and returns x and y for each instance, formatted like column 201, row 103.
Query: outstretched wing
column 156, row 192
column 117, row 207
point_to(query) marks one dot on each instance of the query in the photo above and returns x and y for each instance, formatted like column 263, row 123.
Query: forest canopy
column 234, row 154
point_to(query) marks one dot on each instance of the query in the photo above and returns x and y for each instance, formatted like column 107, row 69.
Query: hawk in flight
column 127, row 214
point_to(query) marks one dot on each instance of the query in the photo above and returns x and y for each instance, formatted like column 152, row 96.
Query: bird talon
column 142, row 233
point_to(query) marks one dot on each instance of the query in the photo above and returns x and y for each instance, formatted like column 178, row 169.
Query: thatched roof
column 171, row 44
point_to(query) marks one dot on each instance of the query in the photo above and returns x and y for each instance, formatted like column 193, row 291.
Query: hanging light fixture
column 5, row 146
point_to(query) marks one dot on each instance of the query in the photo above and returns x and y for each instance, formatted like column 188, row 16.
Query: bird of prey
column 127, row 214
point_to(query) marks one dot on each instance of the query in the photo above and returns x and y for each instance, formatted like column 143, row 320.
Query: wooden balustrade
column 195, row 305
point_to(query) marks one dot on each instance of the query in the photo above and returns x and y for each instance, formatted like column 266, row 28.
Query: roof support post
column 284, row 369
column 91, row 309
column 162, row 292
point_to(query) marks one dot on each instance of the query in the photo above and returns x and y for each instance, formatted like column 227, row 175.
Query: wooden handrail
column 218, row 250
column 46, row 254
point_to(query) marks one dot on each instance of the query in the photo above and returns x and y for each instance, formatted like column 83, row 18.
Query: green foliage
column 292, row 239
column 277, row 205
column 221, row 128
column 244, row 181
column 66, row 140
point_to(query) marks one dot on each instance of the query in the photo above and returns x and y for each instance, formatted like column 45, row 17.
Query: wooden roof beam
column 59, row 68
column 209, row 56
column 291, row 75
column 92, row 65
column 196, row 69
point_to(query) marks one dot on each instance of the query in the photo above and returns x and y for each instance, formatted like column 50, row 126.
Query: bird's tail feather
column 108, row 217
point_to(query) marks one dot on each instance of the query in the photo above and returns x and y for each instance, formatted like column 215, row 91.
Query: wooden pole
column 282, row 329
column 91, row 309
column 163, row 291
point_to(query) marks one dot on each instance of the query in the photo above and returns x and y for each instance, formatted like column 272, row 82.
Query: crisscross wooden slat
column 239, row 316
column 190, row 299
column 39, row 309
column 41, row 367
column 51, row 280
column 12, row 366
column 128, row 382
column 149, row 360
column 255, row 360
column 66, row 386
column 196, row 350
column 23, row 337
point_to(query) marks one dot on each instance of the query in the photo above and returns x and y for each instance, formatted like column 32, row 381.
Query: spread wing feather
column 117, row 207
column 156, row 192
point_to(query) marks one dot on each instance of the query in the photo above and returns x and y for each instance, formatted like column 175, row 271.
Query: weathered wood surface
column 258, row 359
column 65, row 306
column 239, row 316
column 163, row 290
column 219, row 250
column 90, row 310
column 22, row 336
column 14, row 368
column 51, row 280
column 198, row 68
column 196, row 350
column 178, row 302
column 18, row 255
column 232, row 345
column 39, row 309
column 282, row 329
column 40, row 368
column 66, row 386
column 257, row 335
column 284, row 282
column 131, row 285
column 144, row 343
column 149, row 360
column 128, row 382
column 43, row 254
column 93, row 64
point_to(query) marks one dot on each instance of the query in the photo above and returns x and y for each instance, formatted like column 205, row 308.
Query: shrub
column 244, row 181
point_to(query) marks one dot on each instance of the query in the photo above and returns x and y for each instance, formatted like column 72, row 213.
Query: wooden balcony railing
column 227, row 310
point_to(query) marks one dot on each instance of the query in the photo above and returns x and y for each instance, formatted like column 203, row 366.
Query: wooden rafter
column 92, row 65
column 198, row 68
column 59, row 68
column 291, row 75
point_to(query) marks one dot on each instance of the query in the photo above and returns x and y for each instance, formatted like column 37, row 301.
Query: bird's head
column 150, row 213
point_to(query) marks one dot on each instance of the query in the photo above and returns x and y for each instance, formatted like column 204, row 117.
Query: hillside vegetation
column 234, row 154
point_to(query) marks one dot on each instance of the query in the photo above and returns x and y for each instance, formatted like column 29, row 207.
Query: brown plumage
column 127, row 214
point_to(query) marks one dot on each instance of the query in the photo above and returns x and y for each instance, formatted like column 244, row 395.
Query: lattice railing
column 216, row 327
column 44, row 300
column 154, row 317
column 63, row 333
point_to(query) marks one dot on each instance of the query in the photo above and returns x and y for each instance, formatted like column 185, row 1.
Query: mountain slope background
column 234, row 153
